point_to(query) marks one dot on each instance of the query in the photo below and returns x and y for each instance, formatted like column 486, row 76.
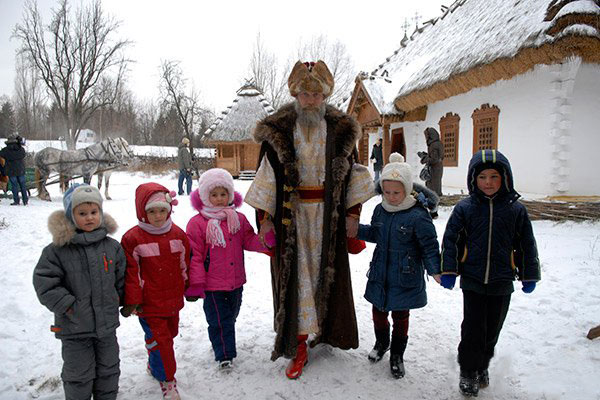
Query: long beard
column 309, row 118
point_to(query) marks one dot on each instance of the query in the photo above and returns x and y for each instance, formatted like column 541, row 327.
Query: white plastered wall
column 531, row 106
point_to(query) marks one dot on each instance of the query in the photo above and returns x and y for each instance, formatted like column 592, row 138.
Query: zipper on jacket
column 489, row 252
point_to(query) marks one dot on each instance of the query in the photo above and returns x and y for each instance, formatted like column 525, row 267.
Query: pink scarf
column 214, row 234
column 151, row 229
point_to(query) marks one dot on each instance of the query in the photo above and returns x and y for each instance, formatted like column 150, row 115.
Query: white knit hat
column 215, row 177
column 398, row 170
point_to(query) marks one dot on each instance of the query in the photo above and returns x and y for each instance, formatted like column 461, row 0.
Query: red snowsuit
column 155, row 279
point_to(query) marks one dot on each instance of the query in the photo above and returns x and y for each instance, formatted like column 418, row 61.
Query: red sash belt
column 311, row 193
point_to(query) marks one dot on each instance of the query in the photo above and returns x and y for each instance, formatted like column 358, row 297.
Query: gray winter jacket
column 80, row 277
column 184, row 158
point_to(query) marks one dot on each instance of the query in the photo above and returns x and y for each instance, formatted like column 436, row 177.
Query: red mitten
column 355, row 245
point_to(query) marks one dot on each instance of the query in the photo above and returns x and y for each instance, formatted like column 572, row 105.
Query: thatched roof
column 237, row 122
column 475, row 43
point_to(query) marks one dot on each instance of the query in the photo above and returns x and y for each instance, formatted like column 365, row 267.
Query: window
column 449, row 125
column 485, row 128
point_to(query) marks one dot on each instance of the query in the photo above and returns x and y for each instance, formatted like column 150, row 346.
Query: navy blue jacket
column 14, row 155
column 490, row 239
column 406, row 245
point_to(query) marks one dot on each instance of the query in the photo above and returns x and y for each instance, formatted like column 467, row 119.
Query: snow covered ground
column 542, row 352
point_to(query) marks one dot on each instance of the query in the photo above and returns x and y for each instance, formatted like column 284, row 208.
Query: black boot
column 484, row 378
column 382, row 344
column 469, row 383
column 397, row 356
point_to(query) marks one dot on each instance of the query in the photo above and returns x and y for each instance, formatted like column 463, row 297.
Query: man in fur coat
column 309, row 190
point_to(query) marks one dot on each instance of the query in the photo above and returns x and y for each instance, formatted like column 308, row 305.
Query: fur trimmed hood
column 63, row 231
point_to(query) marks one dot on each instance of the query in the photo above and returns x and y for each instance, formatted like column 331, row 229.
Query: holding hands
column 448, row 281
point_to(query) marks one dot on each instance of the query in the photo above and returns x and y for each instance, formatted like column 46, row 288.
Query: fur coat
column 335, row 305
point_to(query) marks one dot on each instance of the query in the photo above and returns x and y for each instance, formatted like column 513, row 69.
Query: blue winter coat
column 406, row 245
column 490, row 239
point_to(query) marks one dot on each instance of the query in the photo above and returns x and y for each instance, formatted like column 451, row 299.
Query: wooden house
column 231, row 133
column 520, row 76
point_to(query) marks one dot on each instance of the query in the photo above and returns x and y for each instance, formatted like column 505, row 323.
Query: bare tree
column 269, row 77
column 147, row 116
column 72, row 54
column 30, row 99
column 185, row 101
column 336, row 56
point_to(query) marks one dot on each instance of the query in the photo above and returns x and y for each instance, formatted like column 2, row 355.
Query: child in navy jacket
column 406, row 245
column 488, row 241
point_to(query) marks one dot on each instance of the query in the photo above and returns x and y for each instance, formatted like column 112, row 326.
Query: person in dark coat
column 80, row 277
column 433, row 159
column 488, row 242
column 377, row 156
column 14, row 157
column 184, row 161
column 309, row 190
column 406, row 246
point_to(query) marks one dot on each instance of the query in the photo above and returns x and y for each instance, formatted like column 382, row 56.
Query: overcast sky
column 214, row 39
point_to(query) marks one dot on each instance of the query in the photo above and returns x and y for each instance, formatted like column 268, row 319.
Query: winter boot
column 169, row 390
column 469, row 383
column 397, row 356
column 294, row 368
column 225, row 366
column 484, row 378
column 382, row 344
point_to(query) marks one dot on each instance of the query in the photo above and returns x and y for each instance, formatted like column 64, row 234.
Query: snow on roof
column 468, row 34
column 237, row 122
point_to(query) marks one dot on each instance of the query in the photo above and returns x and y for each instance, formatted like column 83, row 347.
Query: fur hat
column 80, row 193
column 213, row 178
column 160, row 200
column 185, row 141
column 310, row 77
column 398, row 170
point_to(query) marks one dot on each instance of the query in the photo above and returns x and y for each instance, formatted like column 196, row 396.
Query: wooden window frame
column 485, row 127
column 449, row 134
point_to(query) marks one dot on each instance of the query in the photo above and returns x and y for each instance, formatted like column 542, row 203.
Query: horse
column 84, row 162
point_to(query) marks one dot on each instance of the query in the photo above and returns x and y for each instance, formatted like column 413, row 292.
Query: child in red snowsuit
column 158, row 255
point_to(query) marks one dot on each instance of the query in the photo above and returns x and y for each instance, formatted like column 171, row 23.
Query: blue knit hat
column 80, row 193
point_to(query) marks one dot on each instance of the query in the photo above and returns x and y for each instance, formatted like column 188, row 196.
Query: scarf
column 151, row 229
column 214, row 234
column 407, row 203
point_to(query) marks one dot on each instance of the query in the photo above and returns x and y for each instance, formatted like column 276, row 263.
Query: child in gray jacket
column 80, row 278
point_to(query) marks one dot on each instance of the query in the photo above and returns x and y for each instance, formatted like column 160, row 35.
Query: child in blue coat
column 406, row 246
column 488, row 241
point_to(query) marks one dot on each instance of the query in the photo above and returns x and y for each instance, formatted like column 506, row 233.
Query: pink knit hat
column 213, row 178
column 160, row 199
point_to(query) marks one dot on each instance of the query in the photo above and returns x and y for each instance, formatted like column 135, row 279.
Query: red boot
column 294, row 368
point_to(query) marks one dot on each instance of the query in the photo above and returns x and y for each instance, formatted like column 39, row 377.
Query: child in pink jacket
column 218, row 236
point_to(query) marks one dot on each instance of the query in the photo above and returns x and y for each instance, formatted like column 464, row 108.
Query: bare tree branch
column 80, row 53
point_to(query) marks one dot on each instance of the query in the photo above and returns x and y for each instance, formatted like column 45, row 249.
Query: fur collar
column 63, row 231
column 278, row 131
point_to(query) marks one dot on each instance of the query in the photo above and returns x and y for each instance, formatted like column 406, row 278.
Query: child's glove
column 270, row 239
column 448, row 281
column 528, row 286
column 422, row 199
column 127, row 310
column 194, row 292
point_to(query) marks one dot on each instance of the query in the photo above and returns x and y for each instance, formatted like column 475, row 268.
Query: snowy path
column 542, row 352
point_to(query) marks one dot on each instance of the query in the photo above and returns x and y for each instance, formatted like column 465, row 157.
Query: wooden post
column 387, row 143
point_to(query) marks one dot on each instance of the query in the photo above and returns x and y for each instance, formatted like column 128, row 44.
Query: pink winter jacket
column 226, row 266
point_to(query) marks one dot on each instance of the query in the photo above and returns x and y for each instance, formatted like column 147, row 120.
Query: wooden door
column 398, row 142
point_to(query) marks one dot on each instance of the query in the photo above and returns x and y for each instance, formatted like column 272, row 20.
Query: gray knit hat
column 78, row 194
